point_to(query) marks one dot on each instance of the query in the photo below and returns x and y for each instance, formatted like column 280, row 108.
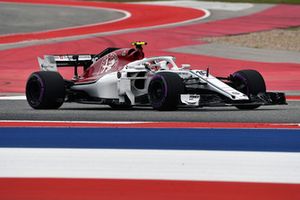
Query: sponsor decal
column 108, row 62
column 202, row 73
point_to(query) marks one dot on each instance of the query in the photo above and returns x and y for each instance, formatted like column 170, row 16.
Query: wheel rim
column 35, row 90
column 158, row 91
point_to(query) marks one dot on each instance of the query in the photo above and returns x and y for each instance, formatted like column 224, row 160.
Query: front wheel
column 164, row 91
column 249, row 82
column 45, row 90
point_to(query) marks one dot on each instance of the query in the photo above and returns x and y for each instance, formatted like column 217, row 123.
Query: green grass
column 243, row 1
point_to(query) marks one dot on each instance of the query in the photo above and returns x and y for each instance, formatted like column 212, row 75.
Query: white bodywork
column 117, row 85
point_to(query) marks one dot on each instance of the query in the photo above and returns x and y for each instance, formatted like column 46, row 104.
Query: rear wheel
column 164, row 91
column 249, row 82
column 45, row 90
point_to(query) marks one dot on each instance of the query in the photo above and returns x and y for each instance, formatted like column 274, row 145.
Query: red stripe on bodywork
column 90, row 189
column 149, row 124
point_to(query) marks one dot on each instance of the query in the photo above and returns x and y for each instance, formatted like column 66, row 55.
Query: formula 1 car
column 122, row 78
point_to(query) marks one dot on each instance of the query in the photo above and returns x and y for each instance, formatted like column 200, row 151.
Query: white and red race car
column 122, row 78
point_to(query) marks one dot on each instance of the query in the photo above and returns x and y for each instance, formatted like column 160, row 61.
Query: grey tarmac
column 214, row 15
column 20, row 110
column 25, row 18
column 241, row 53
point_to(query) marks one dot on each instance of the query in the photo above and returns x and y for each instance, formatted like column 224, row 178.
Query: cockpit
column 154, row 63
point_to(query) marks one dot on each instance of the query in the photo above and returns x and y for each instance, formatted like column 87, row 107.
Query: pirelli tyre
column 164, row 91
column 251, row 83
column 45, row 90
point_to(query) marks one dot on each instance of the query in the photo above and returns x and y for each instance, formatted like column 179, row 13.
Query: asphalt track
column 19, row 110
column 23, row 59
column 24, row 18
column 177, row 159
column 138, row 16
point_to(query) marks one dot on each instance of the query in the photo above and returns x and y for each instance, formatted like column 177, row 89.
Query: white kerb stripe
column 227, row 6
column 271, row 167
column 13, row 98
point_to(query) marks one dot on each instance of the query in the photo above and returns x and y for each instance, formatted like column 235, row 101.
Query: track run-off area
column 279, row 76
column 94, row 152
column 136, row 16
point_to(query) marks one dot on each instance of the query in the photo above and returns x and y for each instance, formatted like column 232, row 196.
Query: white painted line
column 49, row 123
column 126, row 16
column 76, row 122
column 13, row 98
column 293, row 99
column 268, row 167
column 227, row 6
column 207, row 14
column 286, row 124
column 77, row 37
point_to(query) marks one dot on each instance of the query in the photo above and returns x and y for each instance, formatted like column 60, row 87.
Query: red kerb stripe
column 90, row 189
column 148, row 124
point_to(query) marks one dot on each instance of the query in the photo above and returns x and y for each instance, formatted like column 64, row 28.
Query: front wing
column 215, row 100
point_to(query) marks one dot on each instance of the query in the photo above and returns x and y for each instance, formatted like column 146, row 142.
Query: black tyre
column 164, row 91
column 250, row 82
column 45, row 90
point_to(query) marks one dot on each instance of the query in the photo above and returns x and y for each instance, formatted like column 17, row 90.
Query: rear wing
column 52, row 62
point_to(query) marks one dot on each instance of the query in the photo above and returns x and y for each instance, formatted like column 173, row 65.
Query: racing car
column 123, row 78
